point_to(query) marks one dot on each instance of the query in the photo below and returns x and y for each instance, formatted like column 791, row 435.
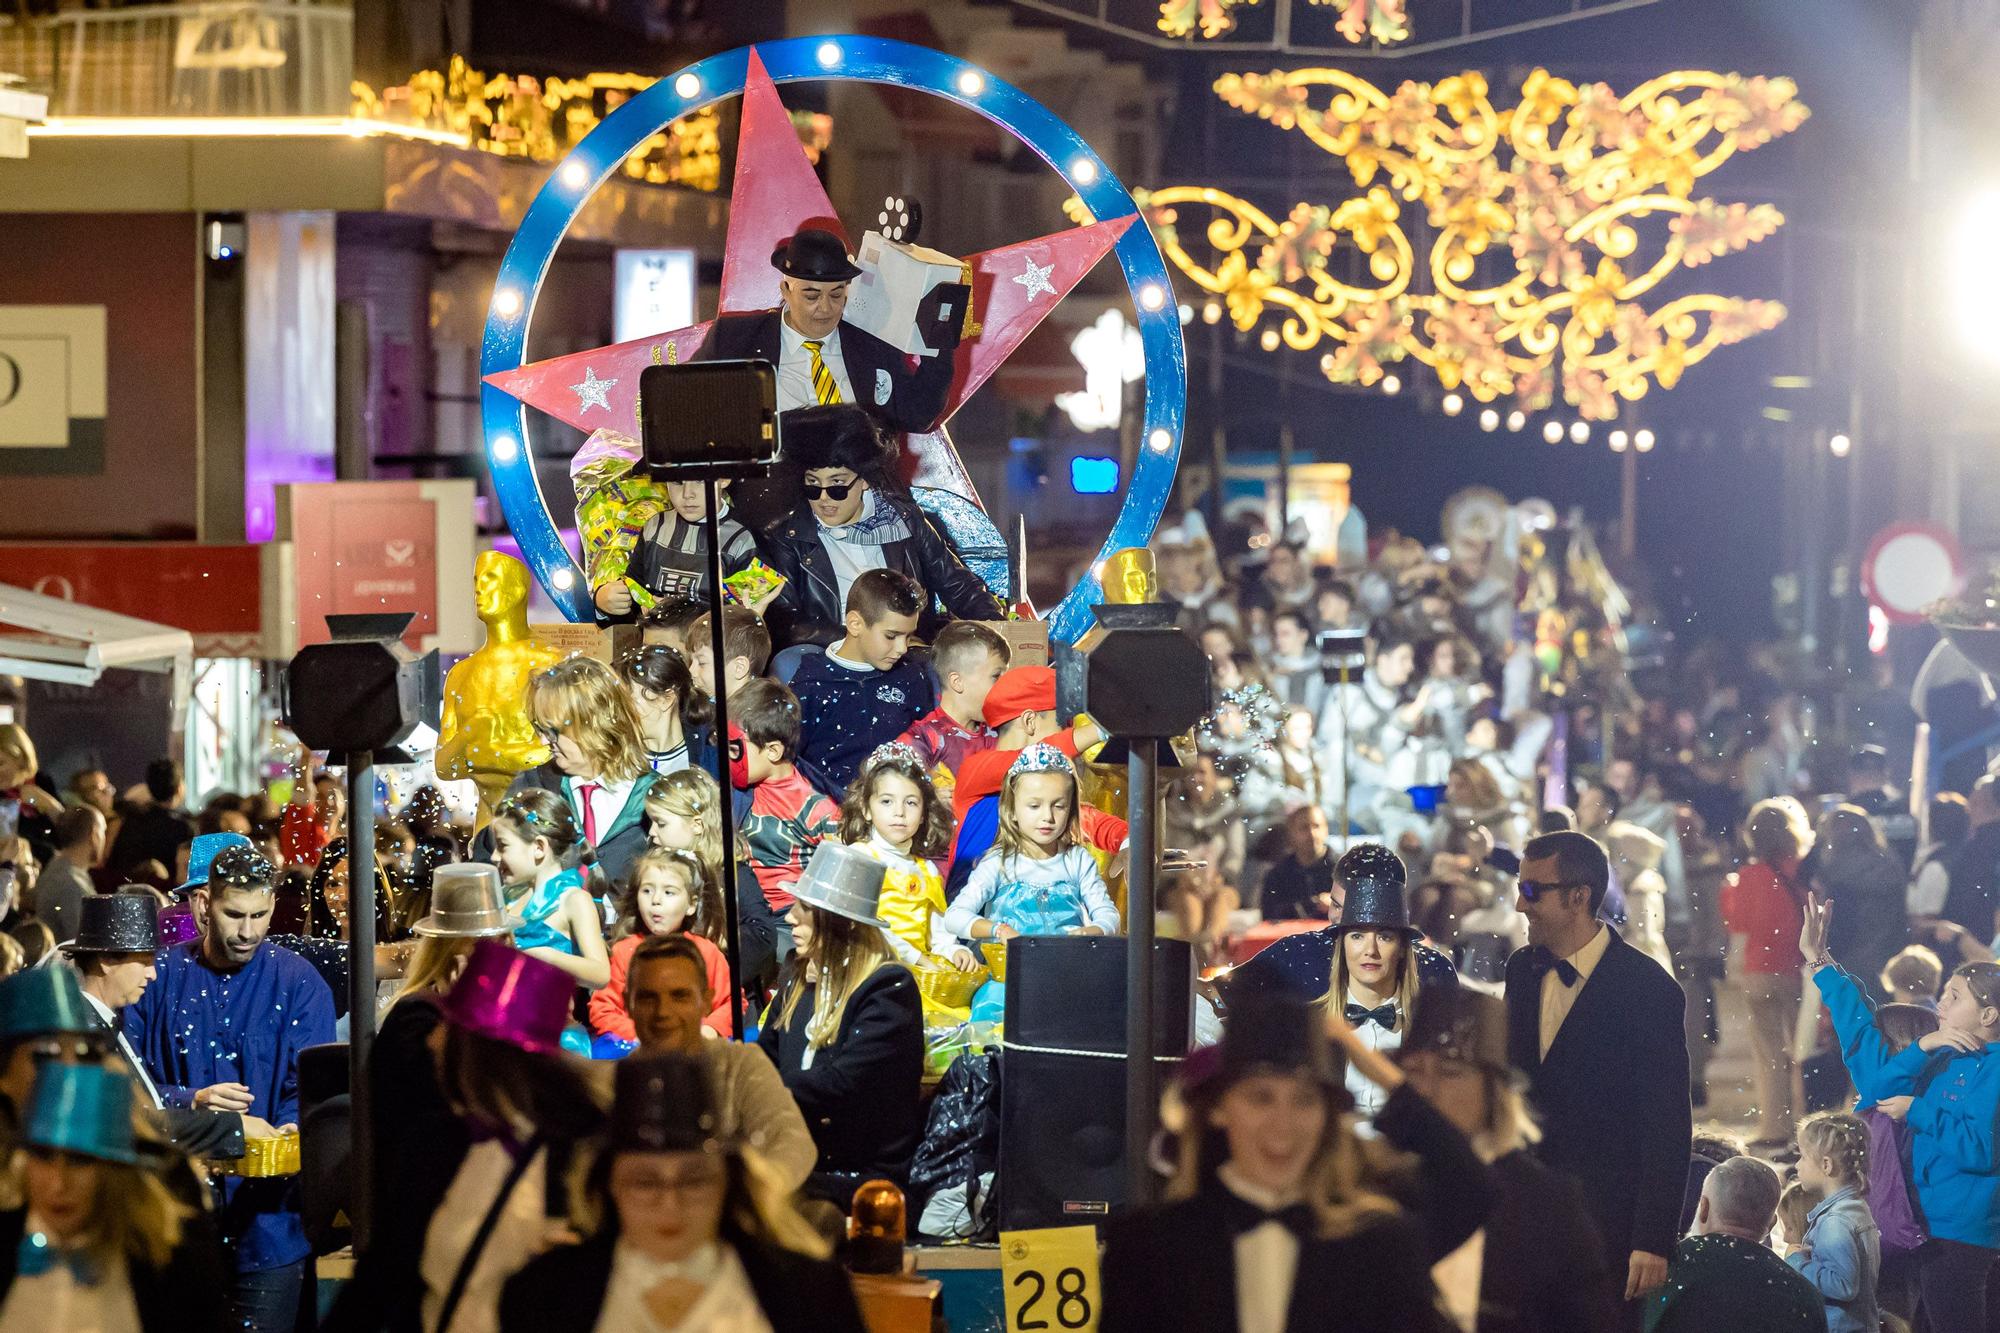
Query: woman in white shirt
column 99, row 1246
column 692, row 1232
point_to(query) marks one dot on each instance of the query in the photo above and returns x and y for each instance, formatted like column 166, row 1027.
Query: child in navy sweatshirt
column 864, row 690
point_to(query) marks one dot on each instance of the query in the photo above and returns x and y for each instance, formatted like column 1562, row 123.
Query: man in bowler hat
column 823, row 361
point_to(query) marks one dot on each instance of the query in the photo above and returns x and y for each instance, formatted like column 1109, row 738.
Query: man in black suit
column 823, row 360
column 1597, row 1028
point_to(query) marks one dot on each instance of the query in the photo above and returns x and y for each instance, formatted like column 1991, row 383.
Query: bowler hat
column 663, row 1103
column 507, row 996
column 844, row 880
column 83, row 1109
column 814, row 255
column 202, row 853
column 117, row 923
column 466, row 903
column 43, row 1001
column 1461, row 1024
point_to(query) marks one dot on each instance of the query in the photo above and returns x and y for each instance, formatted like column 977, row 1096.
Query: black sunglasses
column 830, row 492
column 1532, row 889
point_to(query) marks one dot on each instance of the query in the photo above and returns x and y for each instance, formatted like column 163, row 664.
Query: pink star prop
column 776, row 192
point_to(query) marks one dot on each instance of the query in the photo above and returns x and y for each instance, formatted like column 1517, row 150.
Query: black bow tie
column 1243, row 1215
column 1383, row 1015
column 1546, row 962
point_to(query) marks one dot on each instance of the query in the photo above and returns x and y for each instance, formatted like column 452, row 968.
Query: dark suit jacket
column 809, row 610
column 617, row 847
column 183, row 1297
column 916, row 395
column 1175, row 1268
column 861, row 1098
column 563, row 1290
column 1544, row 1268
column 1612, row 1097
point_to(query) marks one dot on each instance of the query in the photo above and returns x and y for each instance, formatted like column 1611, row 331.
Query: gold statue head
column 1129, row 578
column 499, row 587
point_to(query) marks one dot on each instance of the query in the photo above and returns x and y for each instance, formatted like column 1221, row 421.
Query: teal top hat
column 83, row 1109
column 202, row 854
column 42, row 1001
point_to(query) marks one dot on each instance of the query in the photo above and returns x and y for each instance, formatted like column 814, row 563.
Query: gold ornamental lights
column 1550, row 226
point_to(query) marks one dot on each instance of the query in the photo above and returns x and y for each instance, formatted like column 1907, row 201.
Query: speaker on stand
column 1062, row 1078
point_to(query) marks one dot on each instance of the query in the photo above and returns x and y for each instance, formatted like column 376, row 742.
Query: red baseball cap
column 1022, row 689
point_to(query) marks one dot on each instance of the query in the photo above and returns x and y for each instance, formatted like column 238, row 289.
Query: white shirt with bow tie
column 1558, row 999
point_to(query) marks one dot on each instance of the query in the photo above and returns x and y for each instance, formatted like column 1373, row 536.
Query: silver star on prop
column 593, row 392
column 1036, row 279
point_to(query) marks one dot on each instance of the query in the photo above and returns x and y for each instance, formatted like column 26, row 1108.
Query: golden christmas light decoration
column 1551, row 223
column 1383, row 21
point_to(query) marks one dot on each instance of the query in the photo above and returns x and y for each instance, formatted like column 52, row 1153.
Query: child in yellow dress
column 894, row 814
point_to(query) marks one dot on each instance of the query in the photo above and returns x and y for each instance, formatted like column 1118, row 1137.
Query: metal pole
column 360, row 990
column 733, row 941
column 1142, row 1098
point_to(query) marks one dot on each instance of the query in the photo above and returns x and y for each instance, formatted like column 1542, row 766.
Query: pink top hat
column 510, row 997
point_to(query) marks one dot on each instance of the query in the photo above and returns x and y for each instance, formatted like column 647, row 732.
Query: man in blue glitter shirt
column 222, row 1028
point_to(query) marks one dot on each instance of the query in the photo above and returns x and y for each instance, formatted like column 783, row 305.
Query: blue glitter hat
column 202, row 854
column 1041, row 757
column 83, row 1109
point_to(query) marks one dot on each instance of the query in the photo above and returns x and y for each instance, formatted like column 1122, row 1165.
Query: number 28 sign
column 1051, row 1279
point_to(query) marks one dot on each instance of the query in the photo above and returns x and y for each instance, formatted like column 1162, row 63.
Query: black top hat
column 117, row 923
column 663, row 1103
column 1369, row 861
column 1459, row 1023
column 1275, row 1032
column 813, row 255
column 1374, row 878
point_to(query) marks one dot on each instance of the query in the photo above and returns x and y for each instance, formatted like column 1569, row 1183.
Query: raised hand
column 1812, row 933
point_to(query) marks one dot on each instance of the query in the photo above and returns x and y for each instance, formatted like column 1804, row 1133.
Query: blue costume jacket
column 1302, row 965
column 195, row 1027
column 1954, row 1121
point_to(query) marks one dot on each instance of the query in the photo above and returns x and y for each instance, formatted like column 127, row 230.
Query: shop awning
column 75, row 645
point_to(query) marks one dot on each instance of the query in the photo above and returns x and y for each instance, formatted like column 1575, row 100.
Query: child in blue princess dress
column 533, row 835
column 1037, row 878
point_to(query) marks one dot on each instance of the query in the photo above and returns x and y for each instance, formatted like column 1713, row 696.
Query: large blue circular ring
column 862, row 60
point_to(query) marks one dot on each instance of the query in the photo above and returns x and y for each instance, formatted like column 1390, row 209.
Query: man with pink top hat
column 221, row 1029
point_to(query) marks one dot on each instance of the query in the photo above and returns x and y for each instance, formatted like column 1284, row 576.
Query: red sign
column 212, row 592
column 364, row 548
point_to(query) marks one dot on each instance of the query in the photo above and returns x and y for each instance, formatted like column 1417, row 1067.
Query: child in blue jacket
column 1946, row 1087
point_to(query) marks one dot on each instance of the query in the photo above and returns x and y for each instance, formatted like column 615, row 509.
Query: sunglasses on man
column 1534, row 889
column 838, row 492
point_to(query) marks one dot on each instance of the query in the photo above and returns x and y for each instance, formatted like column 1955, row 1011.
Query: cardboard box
column 889, row 298
column 1027, row 641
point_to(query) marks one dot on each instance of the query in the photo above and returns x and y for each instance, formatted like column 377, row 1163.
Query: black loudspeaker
column 1062, row 1115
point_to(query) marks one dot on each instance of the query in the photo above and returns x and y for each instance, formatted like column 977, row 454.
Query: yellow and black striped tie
column 824, row 389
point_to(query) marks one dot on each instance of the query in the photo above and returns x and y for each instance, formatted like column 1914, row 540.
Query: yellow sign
column 52, row 375
column 1051, row 1279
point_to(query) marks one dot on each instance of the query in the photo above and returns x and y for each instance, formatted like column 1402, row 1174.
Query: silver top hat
column 466, row 903
column 844, row 880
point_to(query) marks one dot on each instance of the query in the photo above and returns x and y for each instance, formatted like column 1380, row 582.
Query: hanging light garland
column 1381, row 21
column 1553, row 221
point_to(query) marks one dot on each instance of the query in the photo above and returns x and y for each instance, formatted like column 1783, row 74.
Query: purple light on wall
column 264, row 470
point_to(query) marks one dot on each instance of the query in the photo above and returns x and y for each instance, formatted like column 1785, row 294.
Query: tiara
column 1041, row 757
column 894, row 752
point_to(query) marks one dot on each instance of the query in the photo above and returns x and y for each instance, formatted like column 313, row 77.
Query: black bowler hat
column 1461, row 1024
column 813, row 255
column 664, row 1103
column 117, row 923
